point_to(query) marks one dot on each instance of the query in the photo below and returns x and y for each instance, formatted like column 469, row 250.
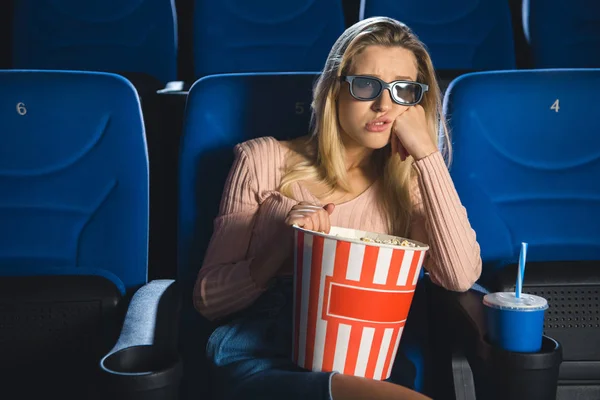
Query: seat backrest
column 133, row 36
column 563, row 34
column 264, row 36
column 459, row 34
column 73, row 177
column 222, row 111
column 527, row 161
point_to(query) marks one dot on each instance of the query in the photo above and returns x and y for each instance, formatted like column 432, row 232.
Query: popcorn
column 393, row 242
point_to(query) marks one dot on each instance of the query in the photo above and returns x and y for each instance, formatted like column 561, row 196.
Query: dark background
column 184, row 14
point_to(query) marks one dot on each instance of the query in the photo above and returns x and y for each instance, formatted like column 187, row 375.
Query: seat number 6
column 21, row 109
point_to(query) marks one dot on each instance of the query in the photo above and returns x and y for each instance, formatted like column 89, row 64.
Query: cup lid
column 509, row 301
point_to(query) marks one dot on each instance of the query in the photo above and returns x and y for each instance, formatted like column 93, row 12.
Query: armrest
column 459, row 340
column 496, row 373
column 145, row 358
column 464, row 313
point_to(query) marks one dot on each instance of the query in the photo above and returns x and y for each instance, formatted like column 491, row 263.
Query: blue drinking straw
column 521, row 272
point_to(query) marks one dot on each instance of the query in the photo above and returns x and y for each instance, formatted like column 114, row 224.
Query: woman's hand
column 310, row 216
column 410, row 134
column 280, row 243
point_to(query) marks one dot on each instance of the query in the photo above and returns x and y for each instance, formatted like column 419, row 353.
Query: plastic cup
column 515, row 324
column 351, row 300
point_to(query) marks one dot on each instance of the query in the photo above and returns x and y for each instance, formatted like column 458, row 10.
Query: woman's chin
column 367, row 139
column 375, row 140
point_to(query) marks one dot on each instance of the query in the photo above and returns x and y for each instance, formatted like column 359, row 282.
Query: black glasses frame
column 385, row 85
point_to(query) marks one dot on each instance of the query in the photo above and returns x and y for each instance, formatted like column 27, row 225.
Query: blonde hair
column 323, row 154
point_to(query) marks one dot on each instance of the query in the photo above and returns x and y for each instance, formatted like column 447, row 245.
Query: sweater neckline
column 363, row 194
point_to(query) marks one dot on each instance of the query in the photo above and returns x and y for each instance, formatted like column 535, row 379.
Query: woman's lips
column 378, row 125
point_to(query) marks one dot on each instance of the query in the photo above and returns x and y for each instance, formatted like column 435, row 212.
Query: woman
column 372, row 163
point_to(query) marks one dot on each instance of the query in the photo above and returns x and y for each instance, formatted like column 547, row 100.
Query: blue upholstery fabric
column 73, row 177
column 460, row 34
column 137, row 36
column 563, row 34
column 527, row 161
column 265, row 35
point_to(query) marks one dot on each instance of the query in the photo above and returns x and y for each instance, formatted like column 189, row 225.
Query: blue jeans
column 251, row 355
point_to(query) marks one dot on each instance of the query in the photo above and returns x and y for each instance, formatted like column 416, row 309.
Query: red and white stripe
column 337, row 326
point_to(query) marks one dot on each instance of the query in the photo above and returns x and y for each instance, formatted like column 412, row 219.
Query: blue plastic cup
column 515, row 324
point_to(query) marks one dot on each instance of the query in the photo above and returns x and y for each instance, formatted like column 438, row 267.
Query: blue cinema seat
column 563, row 34
column 526, row 166
column 126, row 36
column 461, row 35
column 224, row 110
column 73, row 232
column 133, row 38
column 264, row 36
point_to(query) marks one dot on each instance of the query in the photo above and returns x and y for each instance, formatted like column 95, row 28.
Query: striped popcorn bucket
column 351, row 300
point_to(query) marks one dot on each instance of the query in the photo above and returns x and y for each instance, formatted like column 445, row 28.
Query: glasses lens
column 407, row 92
column 365, row 88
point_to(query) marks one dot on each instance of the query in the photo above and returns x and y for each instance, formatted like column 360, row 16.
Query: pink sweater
column 251, row 205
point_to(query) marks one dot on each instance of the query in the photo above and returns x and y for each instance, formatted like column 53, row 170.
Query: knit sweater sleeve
column 440, row 220
column 224, row 283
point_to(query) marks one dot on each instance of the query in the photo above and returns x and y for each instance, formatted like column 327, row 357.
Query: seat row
column 74, row 208
column 140, row 36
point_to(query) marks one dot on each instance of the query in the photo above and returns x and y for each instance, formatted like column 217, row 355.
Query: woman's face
column 369, row 123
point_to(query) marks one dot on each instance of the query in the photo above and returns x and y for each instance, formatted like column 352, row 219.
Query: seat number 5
column 21, row 109
column 555, row 106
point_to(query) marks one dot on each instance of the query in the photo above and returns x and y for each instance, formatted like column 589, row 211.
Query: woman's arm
column 440, row 220
column 230, row 278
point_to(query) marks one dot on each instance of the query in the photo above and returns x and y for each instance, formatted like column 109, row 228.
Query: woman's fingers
column 296, row 219
column 306, row 207
column 303, row 221
column 308, row 223
column 323, row 221
column 305, row 211
column 329, row 208
column 311, row 217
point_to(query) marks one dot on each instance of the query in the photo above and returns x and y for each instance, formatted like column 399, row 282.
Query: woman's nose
column 383, row 103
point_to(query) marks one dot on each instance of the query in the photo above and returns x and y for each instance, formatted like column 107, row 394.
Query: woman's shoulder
column 270, row 151
column 258, row 147
column 265, row 156
column 263, row 150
